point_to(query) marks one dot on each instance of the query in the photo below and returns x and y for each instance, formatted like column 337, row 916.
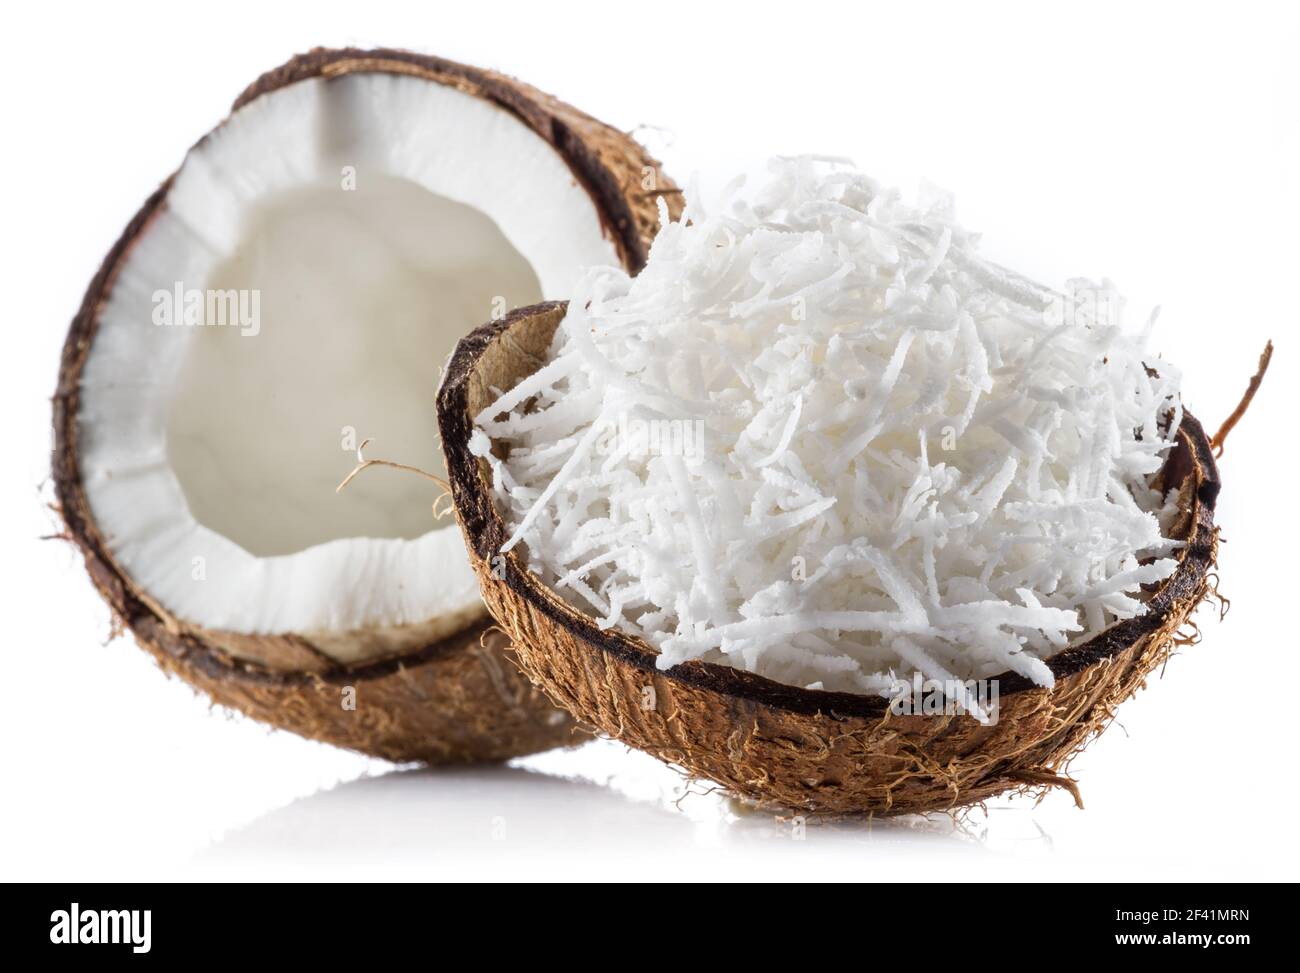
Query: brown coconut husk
column 440, row 691
column 807, row 749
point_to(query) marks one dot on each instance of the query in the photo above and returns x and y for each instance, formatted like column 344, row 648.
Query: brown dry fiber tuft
column 804, row 749
column 436, row 694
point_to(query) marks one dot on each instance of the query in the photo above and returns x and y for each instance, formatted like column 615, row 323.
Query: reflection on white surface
column 563, row 815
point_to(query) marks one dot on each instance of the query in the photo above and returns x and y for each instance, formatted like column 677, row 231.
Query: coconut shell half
column 444, row 690
column 799, row 748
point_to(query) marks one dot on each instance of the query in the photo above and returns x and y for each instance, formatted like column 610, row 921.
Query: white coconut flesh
column 366, row 223
column 821, row 438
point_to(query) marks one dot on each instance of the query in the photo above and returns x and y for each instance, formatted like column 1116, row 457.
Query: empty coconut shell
column 800, row 748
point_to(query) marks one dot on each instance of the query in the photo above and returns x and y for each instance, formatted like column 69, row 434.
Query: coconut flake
column 867, row 450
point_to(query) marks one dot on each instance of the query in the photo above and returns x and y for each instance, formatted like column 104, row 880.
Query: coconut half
column 801, row 748
column 292, row 290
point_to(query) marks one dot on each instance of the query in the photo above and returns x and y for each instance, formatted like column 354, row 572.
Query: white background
column 1159, row 147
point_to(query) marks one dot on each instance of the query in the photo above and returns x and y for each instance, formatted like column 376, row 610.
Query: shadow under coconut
column 987, row 833
column 440, row 822
column 479, row 822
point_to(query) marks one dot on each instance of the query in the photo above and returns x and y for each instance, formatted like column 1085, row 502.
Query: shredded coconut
column 821, row 439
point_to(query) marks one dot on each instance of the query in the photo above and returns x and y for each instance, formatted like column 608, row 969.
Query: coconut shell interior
column 799, row 748
column 445, row 690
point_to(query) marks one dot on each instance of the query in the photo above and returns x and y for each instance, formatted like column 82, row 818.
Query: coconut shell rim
column 485, row 532
column 537, row 110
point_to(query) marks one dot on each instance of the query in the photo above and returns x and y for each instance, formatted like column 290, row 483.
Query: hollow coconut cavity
column 577, row 529
column 292, row 290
